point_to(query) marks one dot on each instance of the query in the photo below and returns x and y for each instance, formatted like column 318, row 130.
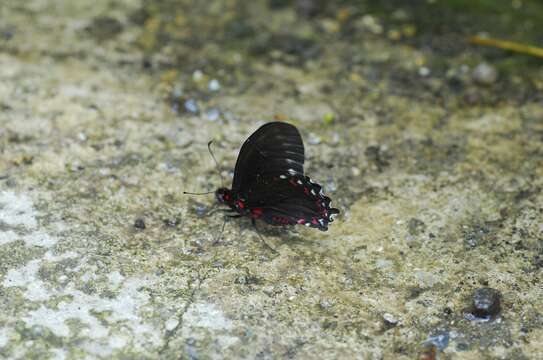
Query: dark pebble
column 104, row 28
column 139, row 224
column 389, row 321
column 172, row 222
column 7, row 34
column 486, row 304
column 416, row 226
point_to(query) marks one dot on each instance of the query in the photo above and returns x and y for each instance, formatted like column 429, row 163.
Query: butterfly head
column 224, row 196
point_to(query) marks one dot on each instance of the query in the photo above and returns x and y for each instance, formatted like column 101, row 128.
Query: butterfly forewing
column 274, row 149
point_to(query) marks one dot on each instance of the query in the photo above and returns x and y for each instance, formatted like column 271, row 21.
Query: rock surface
column 438, row 180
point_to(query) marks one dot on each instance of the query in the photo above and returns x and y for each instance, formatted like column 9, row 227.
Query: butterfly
column 269, row 182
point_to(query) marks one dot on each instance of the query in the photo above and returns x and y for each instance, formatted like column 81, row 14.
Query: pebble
column 485, row 304
column 172, row 222
column 424, row 71
column 139, row 224
column 214, row 85
column 200, row 209
column 440, row 341
column 326, row 304
column 390, row 320
column 192, row 106
column 416, row 226
column 213, row 114
column 177, row 91
column 328, row 118
column 331, row 185
column 372, row 24
column 197, row 75
column 314, row 139
column 485, row 74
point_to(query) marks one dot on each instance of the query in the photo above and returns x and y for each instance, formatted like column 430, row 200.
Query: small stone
column 314, row 139
column 416, row 226
column 171, row 222
column 424, row 71
column 326, row 304
column 197, row 75
column 390, row 320
column 372, row 24
column 171, row 324
column 200, row 209
column 192, row 106
column 394, row 34
column 485, row 74
column 214, row 85
column 139, row 224
column 328, row 118
column 486, row 303
column 7, row 34
column 177, row 91
column 440, row 341
column 331, row 185
column 213, row 114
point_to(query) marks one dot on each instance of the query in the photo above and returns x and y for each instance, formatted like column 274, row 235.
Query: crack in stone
column 170, row 334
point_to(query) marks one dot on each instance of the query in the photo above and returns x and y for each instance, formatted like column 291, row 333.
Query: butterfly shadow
column 273, row 236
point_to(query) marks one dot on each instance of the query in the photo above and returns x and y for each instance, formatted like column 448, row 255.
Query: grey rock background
column 106, row 110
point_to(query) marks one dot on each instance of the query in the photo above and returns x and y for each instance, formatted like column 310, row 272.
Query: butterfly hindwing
column 290, row 200
column 274, row 149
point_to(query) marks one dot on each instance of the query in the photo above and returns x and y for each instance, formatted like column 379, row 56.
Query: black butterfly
column 269, row 181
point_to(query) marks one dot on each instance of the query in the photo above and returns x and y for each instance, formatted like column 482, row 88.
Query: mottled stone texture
column 106, row 111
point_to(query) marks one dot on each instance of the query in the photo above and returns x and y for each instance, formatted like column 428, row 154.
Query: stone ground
column 432, row 150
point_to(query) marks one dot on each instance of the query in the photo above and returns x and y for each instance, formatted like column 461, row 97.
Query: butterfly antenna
column 203, row 193
column 216, row 162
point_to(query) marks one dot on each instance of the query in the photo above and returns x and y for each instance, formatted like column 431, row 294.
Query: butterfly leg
column 216, row 210
column 218, row 239
column 253, row 221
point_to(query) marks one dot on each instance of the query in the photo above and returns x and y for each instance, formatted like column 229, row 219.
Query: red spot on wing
column 257, row 212
column 241, row 205
column 281, row 220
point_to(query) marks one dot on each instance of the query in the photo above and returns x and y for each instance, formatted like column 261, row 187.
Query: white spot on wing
column 292, row 171
column 282, row 176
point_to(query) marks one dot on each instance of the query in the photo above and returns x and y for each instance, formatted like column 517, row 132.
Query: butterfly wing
column 289, row 201
column 273, row 150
